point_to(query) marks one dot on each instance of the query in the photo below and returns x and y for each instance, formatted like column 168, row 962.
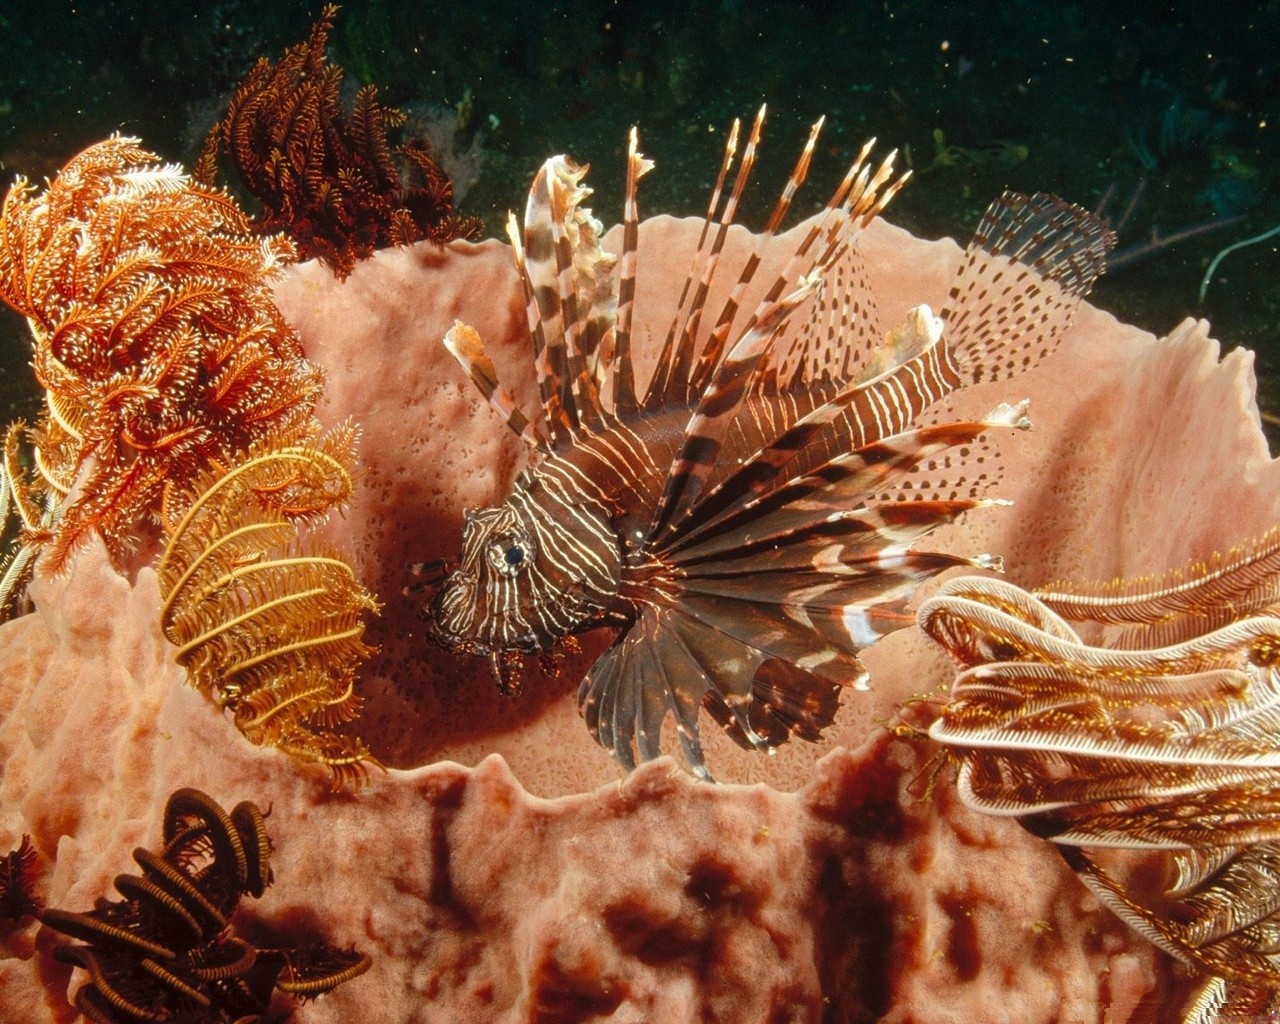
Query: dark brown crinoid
column 18, row 871
column 326, row 176
column 168, row 950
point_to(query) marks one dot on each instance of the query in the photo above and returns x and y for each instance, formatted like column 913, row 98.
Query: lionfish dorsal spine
column 553, row 411
column 465, row 345
column 678, row 389
column 857, row 200
column 719, row 404
column 566, row 195
column 712, row 351
column 879, row 408
column 656, row 392
column 731, row 376
column 624, row 382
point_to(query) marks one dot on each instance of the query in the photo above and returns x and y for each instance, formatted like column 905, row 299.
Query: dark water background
column 1170, row 105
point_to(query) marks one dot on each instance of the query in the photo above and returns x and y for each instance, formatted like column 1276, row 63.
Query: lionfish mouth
column 505, row 657
column 506, row 665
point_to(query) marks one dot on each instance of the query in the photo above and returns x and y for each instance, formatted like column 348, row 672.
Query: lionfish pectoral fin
column 695, row 460
column 919, row 331
column 631, row 689
column 465, row 345
column 672, row 663
column 426, row 576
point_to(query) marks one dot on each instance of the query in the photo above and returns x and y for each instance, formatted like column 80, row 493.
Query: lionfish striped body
column 746, row 521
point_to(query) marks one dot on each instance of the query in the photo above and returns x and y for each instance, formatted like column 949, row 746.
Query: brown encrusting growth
column 18, row 870
column 328, row 177
column 155, row 338
column 169, row 950
column 267, row 620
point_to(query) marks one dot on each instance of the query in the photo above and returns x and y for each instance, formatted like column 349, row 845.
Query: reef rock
column 851, row 888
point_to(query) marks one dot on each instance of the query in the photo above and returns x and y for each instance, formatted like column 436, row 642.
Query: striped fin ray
column 569, row 288
column 571, row 230
column 678, row 390
column 857, row 200
column 1031, row 261
column 650, row 670
column 624, row 384
column 548, row 351
column 673, row 663
column 464, row 343
column 829, row 492
column 719, row 404
column 859, row 542
column 663, row 381
column 729, row 379
column 867, row 412
column 713, row 350
column 839, row 340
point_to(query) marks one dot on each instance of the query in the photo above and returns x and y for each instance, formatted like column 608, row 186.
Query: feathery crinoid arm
column 266, row 618
column 1116, row 753
column 170, row 942
column 1174, row 606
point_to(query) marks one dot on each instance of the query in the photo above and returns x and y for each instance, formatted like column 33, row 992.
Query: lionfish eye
column 510, row 554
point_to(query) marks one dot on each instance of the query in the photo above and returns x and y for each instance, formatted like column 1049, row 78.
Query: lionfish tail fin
column 464, row 344
column 1031, row 261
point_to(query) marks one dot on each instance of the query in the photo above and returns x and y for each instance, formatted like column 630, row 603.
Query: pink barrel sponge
column 835, row 882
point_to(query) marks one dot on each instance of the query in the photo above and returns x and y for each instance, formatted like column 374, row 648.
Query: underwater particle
column 266, row 618
column 1164, row 744
column 155, row 339
column 19, row 870
column 746, row 522
column 328, row 177
column 168, row 950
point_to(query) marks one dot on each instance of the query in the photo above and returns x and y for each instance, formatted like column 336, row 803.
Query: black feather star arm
column 19, row 872
column 168, row 949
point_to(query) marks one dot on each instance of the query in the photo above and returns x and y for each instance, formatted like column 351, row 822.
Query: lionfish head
column 523, row 582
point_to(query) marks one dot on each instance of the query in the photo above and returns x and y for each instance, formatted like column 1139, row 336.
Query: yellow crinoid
column 267, row 618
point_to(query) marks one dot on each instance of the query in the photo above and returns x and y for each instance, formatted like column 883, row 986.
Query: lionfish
column 745, row 522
